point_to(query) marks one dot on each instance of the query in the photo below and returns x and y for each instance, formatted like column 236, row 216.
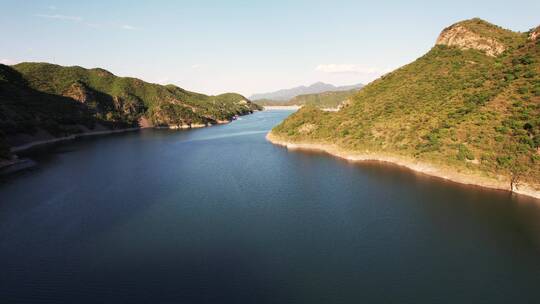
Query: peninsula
column 467, row 111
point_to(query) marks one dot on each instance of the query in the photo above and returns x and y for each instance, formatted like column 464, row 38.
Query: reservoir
column 220, row 215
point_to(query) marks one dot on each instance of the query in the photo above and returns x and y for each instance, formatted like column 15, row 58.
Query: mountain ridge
column 323, row 100
column 317, row 87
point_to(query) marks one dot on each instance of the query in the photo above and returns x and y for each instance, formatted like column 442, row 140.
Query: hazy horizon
column 213, row 47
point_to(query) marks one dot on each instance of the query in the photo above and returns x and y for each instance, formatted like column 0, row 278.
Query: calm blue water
column 219, row 215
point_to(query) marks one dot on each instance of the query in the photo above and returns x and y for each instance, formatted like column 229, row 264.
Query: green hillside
column 330, row 99
column 456, row 106
column 61, row 100
column 270, row 102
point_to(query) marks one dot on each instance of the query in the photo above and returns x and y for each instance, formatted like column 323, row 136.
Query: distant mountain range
column 327, row 99
column 287, row 94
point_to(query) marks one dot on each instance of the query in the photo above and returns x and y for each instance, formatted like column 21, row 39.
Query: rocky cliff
column 535, row 34
column 476, row 34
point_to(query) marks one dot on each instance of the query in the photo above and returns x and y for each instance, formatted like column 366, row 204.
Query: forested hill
column 330, row 99
column 472, row 103
column 41, row 100
column 282, row 96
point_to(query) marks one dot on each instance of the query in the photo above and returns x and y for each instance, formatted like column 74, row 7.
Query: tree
column 519, row 168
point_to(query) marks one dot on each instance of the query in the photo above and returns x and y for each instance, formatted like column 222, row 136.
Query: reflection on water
column 210, row 137
column 219, row 215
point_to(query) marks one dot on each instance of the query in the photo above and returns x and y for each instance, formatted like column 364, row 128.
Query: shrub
column 464, row 153
column 527, row 59
column 522, row 90
column 536, row 91
column 509, row 77
column 504, row 161
column 501, row 129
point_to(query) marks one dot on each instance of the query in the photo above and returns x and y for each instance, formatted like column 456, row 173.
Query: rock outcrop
column 79, row 92
column 461, row 36
column 535, row 34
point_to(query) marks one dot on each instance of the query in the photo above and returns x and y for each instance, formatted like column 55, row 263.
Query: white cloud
column 197, row 66
column 349, row 69
column 7, row 61
column 52, row 7
column 60, row 17
column 128, row 27
column 163, row 81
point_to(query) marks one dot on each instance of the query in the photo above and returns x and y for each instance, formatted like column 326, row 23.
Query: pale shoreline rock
column 281, row 107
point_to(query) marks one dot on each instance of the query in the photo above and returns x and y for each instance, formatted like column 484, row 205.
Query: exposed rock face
column 347, row 102
column 129, row 105
column 307, row 128
column 535, row 34
column 79, row 92
column 460, row 36
column 145, row 122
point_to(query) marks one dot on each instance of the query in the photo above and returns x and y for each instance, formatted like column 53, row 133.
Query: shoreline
column 14, row 165
column 15, row 160
column 502, row 183
column 38, row 143
column 281, row 107
column 35, row 144
column 296, row 107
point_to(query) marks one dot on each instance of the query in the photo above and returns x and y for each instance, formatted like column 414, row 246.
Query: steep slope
column 51, row 100
column 286, row 94
column 465, row 108
column 24, row 110
column 128, row 98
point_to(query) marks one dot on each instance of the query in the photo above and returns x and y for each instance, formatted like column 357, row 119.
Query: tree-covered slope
column 331, row 99
column 24, row 110
column 65, row 100
column 128, row 98
column 281, row 97
column 463, row 106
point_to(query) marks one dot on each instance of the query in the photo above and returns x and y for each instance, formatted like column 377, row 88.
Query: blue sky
column 241, row 46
